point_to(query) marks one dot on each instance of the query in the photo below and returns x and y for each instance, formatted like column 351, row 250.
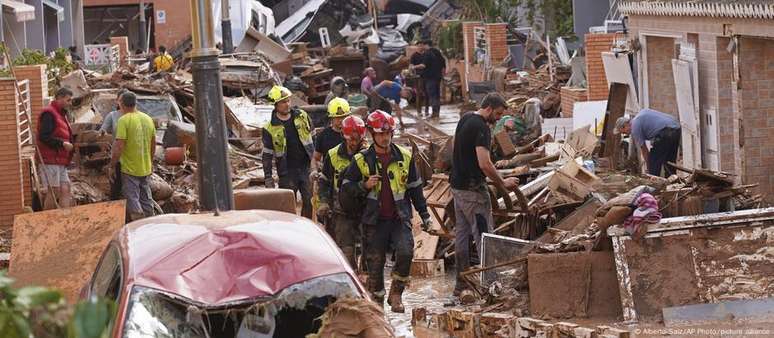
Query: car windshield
column 294, row 312
column 157, row 108
column 295, row 33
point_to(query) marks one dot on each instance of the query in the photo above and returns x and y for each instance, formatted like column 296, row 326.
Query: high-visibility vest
column 397, row 172
column 339, row 164
column 278, row 140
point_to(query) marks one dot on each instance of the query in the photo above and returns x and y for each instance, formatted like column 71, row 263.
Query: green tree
column 41, row 312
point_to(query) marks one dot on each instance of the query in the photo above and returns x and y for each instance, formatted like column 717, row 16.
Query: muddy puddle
column 429, row 293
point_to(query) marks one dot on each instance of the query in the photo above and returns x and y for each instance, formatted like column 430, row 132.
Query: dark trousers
column 421, row 98
column 297, row 179
column 379, row 237
column 665, row 147
column 433, row 91
column 346, row 234
column 473, row 216
column 115, row 187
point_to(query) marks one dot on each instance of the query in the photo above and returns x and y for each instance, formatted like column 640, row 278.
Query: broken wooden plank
column 624, row 280
column 425, row 246
column 492, row 324
column 462, row 324
column 427, row 268
column 750, row 216
column 616, row 107
column 505, row 144
column 569, row 186
column 603, row 330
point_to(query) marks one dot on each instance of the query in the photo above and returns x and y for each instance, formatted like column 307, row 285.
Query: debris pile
column 563, row 231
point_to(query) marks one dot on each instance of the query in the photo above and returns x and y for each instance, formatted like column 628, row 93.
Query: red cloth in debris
column 646, row 212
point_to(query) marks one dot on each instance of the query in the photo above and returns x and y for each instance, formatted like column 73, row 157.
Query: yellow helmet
column 338, row 107
column 279, row 93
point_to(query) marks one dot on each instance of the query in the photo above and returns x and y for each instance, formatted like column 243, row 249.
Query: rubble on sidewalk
column 571, row 230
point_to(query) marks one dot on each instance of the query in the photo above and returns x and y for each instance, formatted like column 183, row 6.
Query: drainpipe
column 228, row 43
column 215, row 192
column 143, row 33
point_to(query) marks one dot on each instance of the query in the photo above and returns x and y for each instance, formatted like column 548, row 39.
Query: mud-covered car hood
column 236, row 255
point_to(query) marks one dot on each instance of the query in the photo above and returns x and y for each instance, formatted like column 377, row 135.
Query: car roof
column 233, row 256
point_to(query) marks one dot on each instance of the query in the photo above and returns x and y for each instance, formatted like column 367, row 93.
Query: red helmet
column 381, row 122
column 353, row 126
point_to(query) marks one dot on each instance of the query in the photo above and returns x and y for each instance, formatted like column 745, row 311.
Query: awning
column 22, row 12
column 59, row 9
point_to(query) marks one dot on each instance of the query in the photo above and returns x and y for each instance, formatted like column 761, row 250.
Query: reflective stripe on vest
column 339, row 165
column 279, row 142
column 397, row 172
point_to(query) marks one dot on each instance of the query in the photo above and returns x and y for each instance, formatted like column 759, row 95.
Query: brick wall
column 595, row 70
column 728, row 119
column 36, row 74
column 756, row 67
column 697, row 24
column 468, row 47
column 123, row 47
column 178, row 23
column 661, row 83
column 745, row 115
column 11, row 200
column 467, row 34
column 497, row 38
column 570, row 96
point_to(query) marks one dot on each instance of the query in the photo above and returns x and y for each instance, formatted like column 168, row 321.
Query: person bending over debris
column 336, row 160
column 163, row 62
column 287, row 138
column 471, row 165
column 367, row 84
column 388, row 96
column 385, row 178
column 134, row 146
column 433, row 67
column 532, row 119
column 109, row 125
column 56, row 150
column 663, row 132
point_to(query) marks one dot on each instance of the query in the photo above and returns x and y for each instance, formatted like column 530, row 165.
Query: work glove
column 426, row 222
column 269, row 183
column 314, row 176
column 323, row 211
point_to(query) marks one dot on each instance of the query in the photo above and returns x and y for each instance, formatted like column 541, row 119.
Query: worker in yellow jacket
column 163, row 62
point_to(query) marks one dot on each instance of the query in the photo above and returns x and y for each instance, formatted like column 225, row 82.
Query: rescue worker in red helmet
column 386, row 174
column 335, row 161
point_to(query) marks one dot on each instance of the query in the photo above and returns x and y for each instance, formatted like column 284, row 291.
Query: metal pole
column 143, row 32
column 215, row 192
column 228, row 42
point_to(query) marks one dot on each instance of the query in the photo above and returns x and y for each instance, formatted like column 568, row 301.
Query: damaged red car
column 236, row 274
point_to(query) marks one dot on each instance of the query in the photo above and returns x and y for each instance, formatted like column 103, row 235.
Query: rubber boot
column 378, row 297
column 436, row 112
column 395, row 299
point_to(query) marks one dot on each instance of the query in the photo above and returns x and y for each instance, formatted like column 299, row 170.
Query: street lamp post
column 143, row 32
column 228, row 42
column 215, row 192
